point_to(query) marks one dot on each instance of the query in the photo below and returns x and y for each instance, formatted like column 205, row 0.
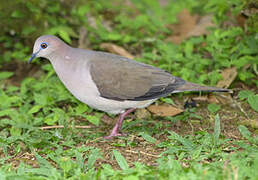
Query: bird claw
column 112, row 135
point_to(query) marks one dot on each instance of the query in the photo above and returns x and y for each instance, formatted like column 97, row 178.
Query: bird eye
column 43, row 45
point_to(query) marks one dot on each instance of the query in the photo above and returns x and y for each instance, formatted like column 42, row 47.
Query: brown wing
column 120, row 78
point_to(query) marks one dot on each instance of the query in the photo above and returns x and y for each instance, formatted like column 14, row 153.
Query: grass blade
column 147, row 137
column 120, row 160
column 244, row 131
column 93, row 158
column 217, row 130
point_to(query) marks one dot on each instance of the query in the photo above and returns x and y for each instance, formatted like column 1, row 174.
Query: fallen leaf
column 222, row 98
column 164, row 110
column 186, row 22
column 241, row 20
column 201, row 26
column 116, row 49
column 189, row 25
column 212, row 98
column 228, row 76
column 201, row 98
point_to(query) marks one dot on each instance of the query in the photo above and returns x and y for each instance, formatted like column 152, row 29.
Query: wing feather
column 119, row 78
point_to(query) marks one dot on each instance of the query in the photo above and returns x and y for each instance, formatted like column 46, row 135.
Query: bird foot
column 117, row 127
column 112, row 135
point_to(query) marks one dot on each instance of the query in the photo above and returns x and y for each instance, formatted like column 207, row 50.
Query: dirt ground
column 232, row 113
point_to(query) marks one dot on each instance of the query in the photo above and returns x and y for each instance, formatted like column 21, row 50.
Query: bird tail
column 188, row 86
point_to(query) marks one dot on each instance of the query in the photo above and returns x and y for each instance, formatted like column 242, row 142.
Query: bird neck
column 59, row 53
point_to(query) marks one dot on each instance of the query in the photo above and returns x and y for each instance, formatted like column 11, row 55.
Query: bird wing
column 119, row 78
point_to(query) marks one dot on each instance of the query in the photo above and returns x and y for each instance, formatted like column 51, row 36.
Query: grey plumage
column 109, row 82
column 132, row 80
column 136, row 81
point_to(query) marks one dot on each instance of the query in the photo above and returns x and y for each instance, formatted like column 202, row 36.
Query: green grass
column 213, row 141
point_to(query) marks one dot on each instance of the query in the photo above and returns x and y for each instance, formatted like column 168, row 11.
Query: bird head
column 45, row 45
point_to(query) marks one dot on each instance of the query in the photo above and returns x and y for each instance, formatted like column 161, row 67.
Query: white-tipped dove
column 109, row 82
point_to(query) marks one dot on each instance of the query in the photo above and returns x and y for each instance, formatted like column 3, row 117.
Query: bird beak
column 34, row 55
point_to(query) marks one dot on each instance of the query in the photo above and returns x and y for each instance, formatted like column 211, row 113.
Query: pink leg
column 118, row 126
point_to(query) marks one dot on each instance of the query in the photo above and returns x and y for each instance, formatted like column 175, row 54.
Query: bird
column 109, row 82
